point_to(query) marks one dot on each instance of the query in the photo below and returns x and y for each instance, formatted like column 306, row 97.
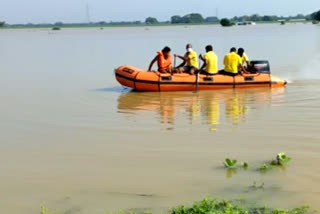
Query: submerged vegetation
column 216, row 206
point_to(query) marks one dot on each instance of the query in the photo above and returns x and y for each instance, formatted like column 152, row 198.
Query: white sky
column 48, row 11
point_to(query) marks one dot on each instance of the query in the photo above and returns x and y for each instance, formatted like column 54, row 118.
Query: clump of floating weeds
column 233, row 164
column 281, row 160
column 216, row 206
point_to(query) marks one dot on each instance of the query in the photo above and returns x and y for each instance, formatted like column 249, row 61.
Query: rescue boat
column 258, row 75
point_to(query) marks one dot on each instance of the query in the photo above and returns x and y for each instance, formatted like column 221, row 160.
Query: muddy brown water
column 75, row 141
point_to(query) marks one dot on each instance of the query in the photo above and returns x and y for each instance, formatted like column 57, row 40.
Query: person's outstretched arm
column 152, row 62
column 182, row 58
column 201, row 57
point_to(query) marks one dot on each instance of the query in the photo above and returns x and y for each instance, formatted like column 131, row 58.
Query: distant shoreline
column 133, row 25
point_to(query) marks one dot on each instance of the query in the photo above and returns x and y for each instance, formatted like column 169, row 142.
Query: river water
column 74, row 140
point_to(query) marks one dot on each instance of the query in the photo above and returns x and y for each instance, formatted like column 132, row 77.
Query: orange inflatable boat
column 140, row 80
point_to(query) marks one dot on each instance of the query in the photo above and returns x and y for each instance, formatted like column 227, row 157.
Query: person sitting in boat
column 164, row 61
column 244, row 57
column 232, row 62
column 210, row 61
column 191, row 59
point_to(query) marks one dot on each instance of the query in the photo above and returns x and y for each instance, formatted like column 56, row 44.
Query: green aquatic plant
column 245, row 165
column 280, row 161
column 230, row 164
column 282, row 158
column 216, row 206
column 265, row 167
column 44, row 210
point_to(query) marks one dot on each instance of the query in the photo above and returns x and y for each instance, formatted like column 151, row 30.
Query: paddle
column 174, row 65
column 197, row 77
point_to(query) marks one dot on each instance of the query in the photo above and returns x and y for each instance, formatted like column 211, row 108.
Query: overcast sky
column 44, row 11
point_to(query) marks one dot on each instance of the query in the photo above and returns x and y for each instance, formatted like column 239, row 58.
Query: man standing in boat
column 164, row 60
column 191, row 59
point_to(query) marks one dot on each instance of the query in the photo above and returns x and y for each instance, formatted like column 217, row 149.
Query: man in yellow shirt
column 191, row 59
column 232, row 62
column 210, row 61
column 244, row 57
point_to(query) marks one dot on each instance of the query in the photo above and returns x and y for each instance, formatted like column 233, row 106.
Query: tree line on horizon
column 192, row 18
column 198, row 18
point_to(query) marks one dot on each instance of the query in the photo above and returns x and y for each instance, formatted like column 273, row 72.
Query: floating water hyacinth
column 232, row 164
column 281, row 160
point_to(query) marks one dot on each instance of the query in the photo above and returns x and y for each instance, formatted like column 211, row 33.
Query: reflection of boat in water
column 207, row 107
column 140, row 80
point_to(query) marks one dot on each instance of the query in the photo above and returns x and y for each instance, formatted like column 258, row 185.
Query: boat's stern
column 277, row 81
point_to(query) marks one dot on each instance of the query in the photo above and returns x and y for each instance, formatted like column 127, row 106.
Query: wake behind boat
column 258, row 75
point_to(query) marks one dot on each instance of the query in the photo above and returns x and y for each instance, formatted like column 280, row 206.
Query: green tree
column 300, row 16
column 269, row 18
column 60, row 24
column 151, row 20
column 2, row 24
column 255, row 18
column 192, row 18
column 316, row 16
column 226, row 22
column 211, row 19
column 176, row 19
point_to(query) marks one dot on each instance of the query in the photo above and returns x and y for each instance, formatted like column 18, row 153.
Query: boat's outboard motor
column 259, row 66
